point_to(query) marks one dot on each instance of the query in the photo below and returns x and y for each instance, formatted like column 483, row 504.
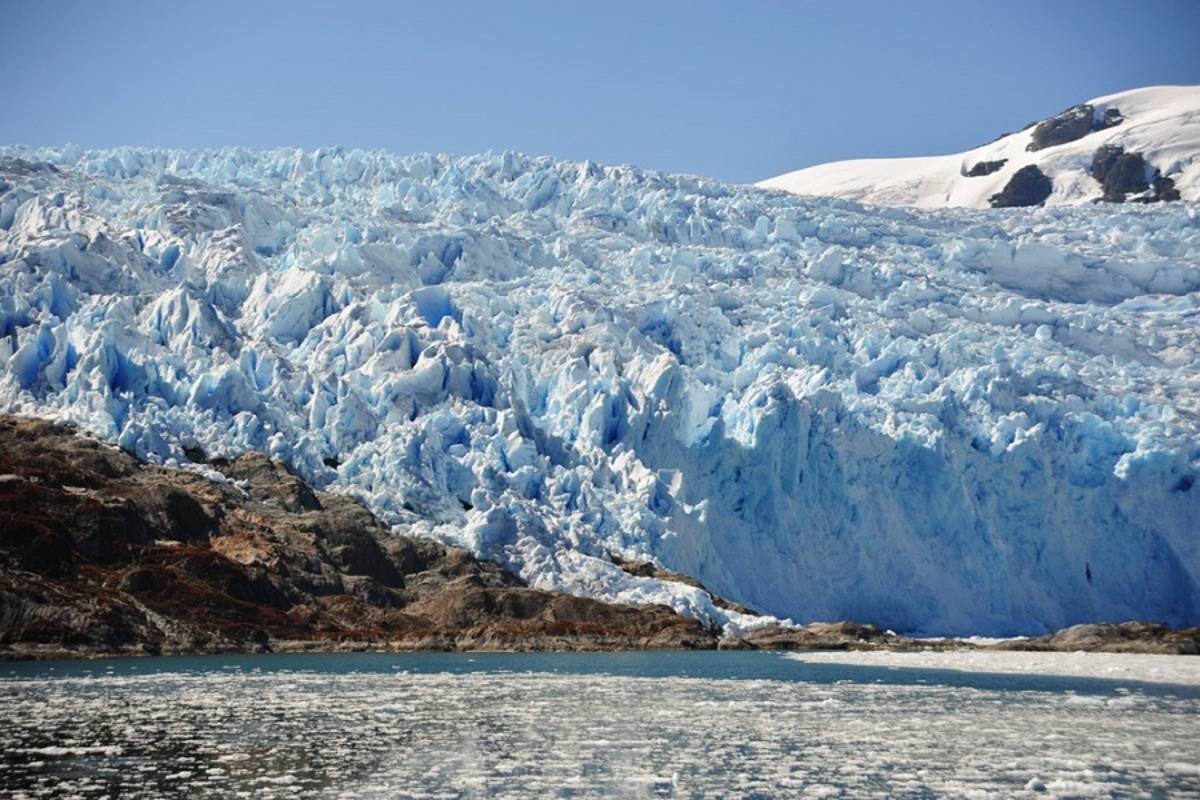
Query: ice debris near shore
column 949, row 422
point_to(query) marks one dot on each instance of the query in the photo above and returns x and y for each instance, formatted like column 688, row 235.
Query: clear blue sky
column 735, row 90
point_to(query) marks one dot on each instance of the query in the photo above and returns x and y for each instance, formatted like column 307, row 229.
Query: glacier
column 946, row 421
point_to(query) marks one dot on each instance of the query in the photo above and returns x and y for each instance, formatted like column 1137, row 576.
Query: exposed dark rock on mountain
column 100, row 553
column 1164, row 190
column 1104, row 159
column 985, row 168
column 1127, row 637
column 1119, row 173
column 1122, row 174
column 1111, row 118
column 1027, row 187
column 1074, row 123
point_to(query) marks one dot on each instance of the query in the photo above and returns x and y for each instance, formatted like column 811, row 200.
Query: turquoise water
column 671, row 724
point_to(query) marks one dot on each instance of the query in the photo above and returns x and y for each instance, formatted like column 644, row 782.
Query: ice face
column 951, row 421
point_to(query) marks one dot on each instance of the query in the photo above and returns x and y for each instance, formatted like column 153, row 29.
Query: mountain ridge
column 1155, row 130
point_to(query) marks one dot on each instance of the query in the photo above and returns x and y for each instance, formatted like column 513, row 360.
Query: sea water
column 650, row 724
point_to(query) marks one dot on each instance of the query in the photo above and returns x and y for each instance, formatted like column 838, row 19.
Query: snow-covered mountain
column 1140, row 145
column 950, row 421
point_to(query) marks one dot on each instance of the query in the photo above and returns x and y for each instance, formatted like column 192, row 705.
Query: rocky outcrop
column 103, row 554
column 1109, row 119
column 845, row 635
column 1028, row 186
column 1119, row 173
column 1122, row 173
column 818, row 636
column 1164, row 190
column 1072, row 124
column 1126, row 637
column 982, row 168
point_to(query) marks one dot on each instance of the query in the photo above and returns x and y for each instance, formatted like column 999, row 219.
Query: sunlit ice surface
column 810, row 405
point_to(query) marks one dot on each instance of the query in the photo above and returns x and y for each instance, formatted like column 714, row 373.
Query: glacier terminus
column 944, row 421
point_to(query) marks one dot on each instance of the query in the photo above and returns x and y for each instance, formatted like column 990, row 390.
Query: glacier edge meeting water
column 944, row 421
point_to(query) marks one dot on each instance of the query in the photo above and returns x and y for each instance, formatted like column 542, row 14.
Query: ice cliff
column 945, row 421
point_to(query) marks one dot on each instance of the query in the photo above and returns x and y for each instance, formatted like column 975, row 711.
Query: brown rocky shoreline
column 104, row 555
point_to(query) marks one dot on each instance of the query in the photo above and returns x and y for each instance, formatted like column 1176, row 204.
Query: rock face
column 1027, row 187
column 1074, row 123
column 982, row 168
column 1164, row 189
column 1122, row 173
column 1119, row 173
column 1126, row 637
column 1111, row 118
column 101, row 553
